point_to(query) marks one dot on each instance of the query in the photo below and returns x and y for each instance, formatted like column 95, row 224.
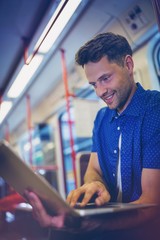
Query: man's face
column 114, row 84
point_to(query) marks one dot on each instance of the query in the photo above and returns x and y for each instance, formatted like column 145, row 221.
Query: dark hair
column 114, row 47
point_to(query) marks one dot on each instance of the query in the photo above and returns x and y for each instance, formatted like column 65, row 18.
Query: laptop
column 21, row 176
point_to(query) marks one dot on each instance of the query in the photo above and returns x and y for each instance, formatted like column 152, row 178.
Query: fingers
column 74, row 195
column 103, row 195
column 31, row 197
column 84, row 193
column 102, row 198
column 34, row 201
column 39, row 212
column 89, row 189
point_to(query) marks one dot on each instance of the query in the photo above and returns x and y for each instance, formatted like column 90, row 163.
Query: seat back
column 82, row 160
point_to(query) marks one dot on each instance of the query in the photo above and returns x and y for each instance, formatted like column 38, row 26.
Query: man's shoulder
column 152, row 106
column 153, row 99
column 103, row 111
column 147, row 96
column 104, row 116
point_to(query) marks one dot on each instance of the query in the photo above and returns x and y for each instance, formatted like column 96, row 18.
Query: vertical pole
column 29, row 125
column 7, row 132
column 67, row 97
column 25, row 45
column 6, row 126
column 0, row 101
column 25, row 55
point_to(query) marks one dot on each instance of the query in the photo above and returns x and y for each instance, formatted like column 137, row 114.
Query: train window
column 80, row 144
column 156, row 7
column 156, row 58
column 40, row 153
column 154, row 61
column 41, row 150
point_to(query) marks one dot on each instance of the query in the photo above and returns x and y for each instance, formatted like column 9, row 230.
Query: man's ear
column 129, row 63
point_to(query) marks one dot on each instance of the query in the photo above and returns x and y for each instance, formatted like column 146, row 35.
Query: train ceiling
column 19, row 20
column 22, row 22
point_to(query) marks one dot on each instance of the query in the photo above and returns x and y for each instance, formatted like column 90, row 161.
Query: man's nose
column 100, row 90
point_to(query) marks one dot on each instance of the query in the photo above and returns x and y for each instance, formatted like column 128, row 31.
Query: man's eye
column 105, row 79
column 93, row 85
column 101, row 81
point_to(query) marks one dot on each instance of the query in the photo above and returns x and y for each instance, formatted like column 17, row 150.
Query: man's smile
column 108, row 98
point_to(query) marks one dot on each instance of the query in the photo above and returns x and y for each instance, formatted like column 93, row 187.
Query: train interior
column 47, row 108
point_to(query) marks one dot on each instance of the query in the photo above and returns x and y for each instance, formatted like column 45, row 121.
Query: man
column 125, row 160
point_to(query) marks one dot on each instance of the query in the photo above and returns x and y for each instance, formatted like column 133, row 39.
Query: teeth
column 109, row 97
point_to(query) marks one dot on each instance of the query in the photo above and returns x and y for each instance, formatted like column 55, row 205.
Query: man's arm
column 150, row 186
column 93, row 185
column 150, row 194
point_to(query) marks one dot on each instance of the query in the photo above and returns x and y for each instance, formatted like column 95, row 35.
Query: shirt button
column 115, row 151
column 113, row 174
column 118, row 128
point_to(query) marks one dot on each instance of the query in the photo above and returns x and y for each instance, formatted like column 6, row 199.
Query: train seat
column 82, row 159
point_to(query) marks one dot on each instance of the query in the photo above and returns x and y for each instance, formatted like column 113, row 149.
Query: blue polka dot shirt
column 139, row 125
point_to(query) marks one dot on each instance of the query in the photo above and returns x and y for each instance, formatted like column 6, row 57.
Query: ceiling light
column 58, row 26
column 24, row 77
column 27, row 71
column 4, row 109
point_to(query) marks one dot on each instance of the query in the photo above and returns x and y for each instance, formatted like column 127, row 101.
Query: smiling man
column 125, row 160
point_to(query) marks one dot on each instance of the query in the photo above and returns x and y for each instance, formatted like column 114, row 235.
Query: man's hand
column 40, row 214
column 89, row 189
column 58, row 222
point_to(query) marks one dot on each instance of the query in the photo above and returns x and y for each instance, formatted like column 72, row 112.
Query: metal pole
column 67, row 97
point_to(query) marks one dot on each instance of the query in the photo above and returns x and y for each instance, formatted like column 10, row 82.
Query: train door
column 81, row 142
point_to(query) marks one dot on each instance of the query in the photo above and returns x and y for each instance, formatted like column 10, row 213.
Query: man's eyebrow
column 103, row 76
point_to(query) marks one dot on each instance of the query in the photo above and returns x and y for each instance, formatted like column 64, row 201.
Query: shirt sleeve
column 94, row 145
column 97, row 123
